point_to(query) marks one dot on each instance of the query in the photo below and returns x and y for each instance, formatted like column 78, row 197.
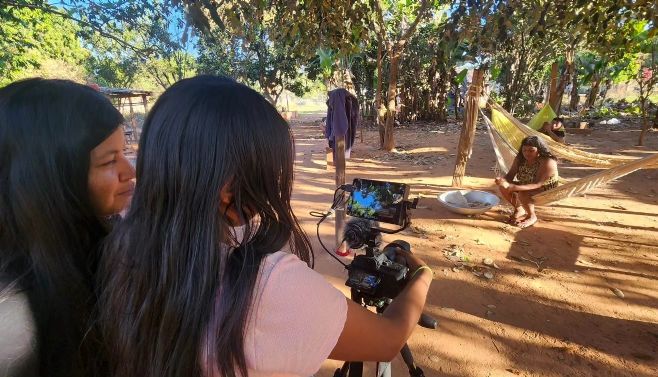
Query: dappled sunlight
column 507, row 320
column 529, row 354
column 438, row 150
column 563, row 312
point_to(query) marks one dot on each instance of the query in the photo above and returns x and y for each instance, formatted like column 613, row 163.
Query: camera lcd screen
column 377, row 200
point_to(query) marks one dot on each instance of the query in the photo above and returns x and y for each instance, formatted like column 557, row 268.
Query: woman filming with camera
column 208, row 274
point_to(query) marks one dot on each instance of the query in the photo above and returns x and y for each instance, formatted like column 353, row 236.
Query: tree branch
column 381, row 33
column 424, row 7
column 47, row 9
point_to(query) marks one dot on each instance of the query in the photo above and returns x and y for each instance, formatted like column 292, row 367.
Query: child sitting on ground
column 554, row 129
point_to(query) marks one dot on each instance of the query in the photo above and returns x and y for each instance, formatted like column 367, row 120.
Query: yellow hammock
column 505, row 153
column 514, row 132
column 546, row 114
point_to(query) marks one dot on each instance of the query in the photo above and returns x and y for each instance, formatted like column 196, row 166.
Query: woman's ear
column 225, row 195
column 227, row 206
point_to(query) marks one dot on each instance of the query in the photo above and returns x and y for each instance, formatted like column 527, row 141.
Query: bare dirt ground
column 550, row 309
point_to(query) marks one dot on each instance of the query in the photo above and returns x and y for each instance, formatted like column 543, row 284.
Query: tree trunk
column 468, row 129
column 552, row 91
column 457, row 90
column 268, row 96
column 358, row 93
column 593, row 92
column 607, row 84
column 505, row 81
column 517, row 70
column 441, row 92
column 566, row 77
column 517, row 84
column 575, row 97
column 645, row 121
column 389, row 139
column 379, row 114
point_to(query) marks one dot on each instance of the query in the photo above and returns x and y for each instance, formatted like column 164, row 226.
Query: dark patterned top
column 527, row 174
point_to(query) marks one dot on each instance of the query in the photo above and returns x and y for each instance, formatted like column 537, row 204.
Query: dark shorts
column 558, row 133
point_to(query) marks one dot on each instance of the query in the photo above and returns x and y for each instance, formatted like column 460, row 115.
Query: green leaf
column 461, row 76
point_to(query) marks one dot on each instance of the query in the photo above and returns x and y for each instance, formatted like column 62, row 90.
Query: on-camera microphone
column 357, row 232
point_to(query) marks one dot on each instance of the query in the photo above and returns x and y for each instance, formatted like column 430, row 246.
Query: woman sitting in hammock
column 534, row 170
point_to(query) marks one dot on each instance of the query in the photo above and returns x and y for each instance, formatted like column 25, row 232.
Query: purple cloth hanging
column 342, row 117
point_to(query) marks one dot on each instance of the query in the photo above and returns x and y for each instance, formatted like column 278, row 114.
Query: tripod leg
column 356, row 369
column 350, row 369
column 342, row 372
column 383, row 369
column 414, row 371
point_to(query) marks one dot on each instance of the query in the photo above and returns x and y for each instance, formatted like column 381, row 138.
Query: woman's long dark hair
column 48, row 230
column 537, row 142
column 165, row 266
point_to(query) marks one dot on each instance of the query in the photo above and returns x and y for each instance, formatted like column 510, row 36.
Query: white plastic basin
column 468, row 202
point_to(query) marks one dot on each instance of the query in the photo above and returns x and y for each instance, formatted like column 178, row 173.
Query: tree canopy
column 31, row 38
column 413, row 53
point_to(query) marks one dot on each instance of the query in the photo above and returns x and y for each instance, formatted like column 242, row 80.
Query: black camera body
column 376, row 277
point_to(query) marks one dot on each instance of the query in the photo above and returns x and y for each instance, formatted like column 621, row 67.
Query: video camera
column 376, row 278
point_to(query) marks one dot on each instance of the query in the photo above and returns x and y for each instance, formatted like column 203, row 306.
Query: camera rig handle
column 428, row 322
column 411, row 204
column 425, row 320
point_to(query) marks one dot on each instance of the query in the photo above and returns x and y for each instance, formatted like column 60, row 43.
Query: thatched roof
column 125, row 93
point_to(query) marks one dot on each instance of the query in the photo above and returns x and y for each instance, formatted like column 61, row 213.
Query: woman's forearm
column 528, row 187
column 406, row 308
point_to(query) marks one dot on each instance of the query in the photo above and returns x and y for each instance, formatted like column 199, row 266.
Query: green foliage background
column 307, row 47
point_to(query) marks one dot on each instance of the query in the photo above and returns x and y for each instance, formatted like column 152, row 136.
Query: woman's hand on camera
column 370, row 337
column 407, row 259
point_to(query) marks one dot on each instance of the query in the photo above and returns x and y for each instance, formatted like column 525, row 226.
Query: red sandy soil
column 564, row 320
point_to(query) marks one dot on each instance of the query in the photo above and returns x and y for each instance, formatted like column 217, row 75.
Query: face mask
column 237, row 233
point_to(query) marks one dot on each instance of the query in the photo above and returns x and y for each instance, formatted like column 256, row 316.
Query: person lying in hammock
column 534, row 170
column 554, row 129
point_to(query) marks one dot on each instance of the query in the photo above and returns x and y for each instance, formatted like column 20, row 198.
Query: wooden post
column 133, row 123
column 330, row 157
column 552, row 88
column 145, row 103
column 339, row 162
column 468, row 129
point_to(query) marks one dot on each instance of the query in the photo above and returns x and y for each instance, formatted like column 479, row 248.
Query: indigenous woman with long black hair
column 534, row 170
column 208, row 273
column 62, row 176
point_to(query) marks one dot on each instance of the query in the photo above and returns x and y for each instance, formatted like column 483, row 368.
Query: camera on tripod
column 376, row 278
